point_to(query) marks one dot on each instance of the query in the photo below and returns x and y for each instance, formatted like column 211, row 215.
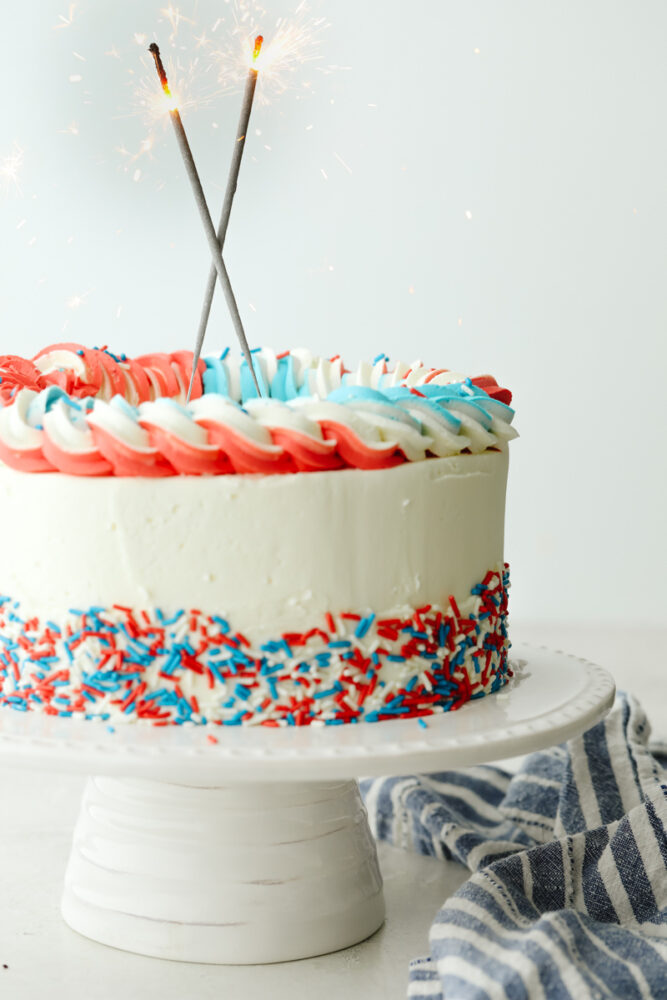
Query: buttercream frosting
column 89, row 412
column 330, row 552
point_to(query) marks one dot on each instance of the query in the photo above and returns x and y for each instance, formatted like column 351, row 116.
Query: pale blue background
column 506, row 212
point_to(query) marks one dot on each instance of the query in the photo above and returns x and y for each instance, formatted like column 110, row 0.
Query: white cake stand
column 256, row 848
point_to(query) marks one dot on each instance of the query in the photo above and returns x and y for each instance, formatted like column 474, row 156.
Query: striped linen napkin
column 568, row 892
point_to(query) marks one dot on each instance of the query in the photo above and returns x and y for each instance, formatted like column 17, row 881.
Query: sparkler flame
column 154, row 50
column 259, row 41
column 171, row 99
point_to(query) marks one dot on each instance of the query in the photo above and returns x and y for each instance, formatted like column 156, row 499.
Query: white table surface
column 45, row 958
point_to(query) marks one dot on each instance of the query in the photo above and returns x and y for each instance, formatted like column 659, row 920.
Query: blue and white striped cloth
column 568, row 892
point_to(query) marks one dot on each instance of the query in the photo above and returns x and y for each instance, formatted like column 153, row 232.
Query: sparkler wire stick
column 205, row 215
column 230, row 191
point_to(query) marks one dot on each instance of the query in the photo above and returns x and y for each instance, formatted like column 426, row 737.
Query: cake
column 329, row 553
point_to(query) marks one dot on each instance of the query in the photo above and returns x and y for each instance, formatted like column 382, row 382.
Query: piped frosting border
column 89, row 412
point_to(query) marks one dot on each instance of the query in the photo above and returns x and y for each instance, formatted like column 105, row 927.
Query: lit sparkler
column 294, row 43
column 230, row 191
column 207, row 61
column 205, row 215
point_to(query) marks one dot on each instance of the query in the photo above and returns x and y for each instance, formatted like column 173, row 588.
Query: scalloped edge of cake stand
column 552, row 697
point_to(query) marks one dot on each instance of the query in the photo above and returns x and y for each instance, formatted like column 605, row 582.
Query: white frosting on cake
column 272, row 552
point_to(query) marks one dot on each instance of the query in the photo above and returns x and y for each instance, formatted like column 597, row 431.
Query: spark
column 10, row 167
column 77, row 55
column 468, row 214
column 459, row 321
column 21, row 223
column 324, row 173
column 411, row 290
column 343, row 163
column 476, row 51
column 201, row 41
column 139, row 38
column 72, row 129
column 75, row 78
column 76, row 301
column 174, row 16
column 113, row 52
column 252, row 306
column 119, row 310
column 65, row 21
column 136, row 176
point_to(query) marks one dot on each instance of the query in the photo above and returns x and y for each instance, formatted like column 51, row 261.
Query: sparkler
column 230, row 191
column 205, row 215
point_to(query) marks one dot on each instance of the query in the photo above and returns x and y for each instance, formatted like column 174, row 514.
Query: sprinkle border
column 123, row 664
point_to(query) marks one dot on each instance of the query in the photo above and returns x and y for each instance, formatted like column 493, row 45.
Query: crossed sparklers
column 216, row 240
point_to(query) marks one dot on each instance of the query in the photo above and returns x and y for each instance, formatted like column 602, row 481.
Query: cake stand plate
column 256, row 848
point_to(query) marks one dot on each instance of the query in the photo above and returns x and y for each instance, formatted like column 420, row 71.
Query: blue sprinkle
column 327, row 693
column 363, row 626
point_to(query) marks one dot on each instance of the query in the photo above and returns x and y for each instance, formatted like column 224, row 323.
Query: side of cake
column 328, row 554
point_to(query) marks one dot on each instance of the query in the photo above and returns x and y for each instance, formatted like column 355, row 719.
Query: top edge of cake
column 88, row 411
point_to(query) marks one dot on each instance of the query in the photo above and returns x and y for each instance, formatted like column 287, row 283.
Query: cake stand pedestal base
column 254, row 847
column 233, row 874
